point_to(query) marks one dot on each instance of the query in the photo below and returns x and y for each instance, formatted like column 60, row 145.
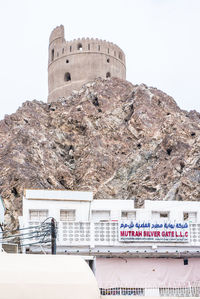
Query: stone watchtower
column 73, row 63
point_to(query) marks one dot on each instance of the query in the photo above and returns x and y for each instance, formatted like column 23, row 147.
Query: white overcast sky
column 161, row 40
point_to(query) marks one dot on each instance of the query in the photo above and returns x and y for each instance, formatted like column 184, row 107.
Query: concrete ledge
column 142, row 297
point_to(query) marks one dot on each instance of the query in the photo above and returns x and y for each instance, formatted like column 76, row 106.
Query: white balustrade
column 177, row 289
column 103, row 234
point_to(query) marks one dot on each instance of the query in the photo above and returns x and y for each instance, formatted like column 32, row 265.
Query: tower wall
column 73, row 63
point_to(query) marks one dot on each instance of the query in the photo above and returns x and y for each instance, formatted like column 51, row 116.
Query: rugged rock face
column 114, row 138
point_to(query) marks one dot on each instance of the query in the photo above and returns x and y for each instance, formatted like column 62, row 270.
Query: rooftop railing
column 177, row 289
column 105, row 234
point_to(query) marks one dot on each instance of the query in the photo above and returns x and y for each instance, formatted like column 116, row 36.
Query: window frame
column 39, row 217
column 68, row 220
column 101, row 220
column 160, row 213
column 127, row 217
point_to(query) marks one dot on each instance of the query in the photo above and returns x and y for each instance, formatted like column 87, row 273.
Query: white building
column 2, row 211
column 152, row 249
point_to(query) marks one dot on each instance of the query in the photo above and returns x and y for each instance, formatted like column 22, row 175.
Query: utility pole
column 53, row 236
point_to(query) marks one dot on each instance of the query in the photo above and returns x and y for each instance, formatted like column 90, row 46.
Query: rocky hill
column 114, row 138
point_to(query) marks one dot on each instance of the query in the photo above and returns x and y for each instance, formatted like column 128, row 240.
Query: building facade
column 2, row 211
column 146, row 251
column 74, row 63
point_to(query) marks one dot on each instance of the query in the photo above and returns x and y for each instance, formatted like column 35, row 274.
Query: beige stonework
column 74, row 63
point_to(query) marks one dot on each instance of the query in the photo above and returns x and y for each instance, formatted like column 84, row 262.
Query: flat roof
column 58, row 195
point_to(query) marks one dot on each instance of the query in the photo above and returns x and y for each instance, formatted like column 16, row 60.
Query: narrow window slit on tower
column 52, row 54
column 88, row 46
column 185, row 262
column 99, row 48
column 63, row 50
column 67, row 77
column 108, row 51
column 70, row 48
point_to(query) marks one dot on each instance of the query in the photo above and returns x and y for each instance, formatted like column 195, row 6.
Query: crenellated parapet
column 86, row 45
column 73, row 63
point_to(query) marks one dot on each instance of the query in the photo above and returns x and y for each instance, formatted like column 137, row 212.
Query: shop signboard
column 152, row 231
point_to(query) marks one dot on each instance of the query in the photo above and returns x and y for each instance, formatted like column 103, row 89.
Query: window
column 70, row 48
column 115, row 53
column 63, row 50
column 67, row 77
column 88, row 46
column 120, row 55
column 190, row 216
column 100, row 215
column 163, row 215
column 108, row 60
column 67, row 215
column 160, row 215
column 99, row 48
column 128, row 215
column 67, row 61
column 108, row 51
column 79, row 47
column 52, row 54
column 108, row 75
column 38, row 215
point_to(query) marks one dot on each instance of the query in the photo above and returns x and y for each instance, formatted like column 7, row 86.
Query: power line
column 29, row 236
column 38, row 232
column 25, row 228
column 20, row 235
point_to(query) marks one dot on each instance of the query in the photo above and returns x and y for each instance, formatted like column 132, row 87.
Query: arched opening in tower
column 67, row 77
column 79, row 47
column 108, row 75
